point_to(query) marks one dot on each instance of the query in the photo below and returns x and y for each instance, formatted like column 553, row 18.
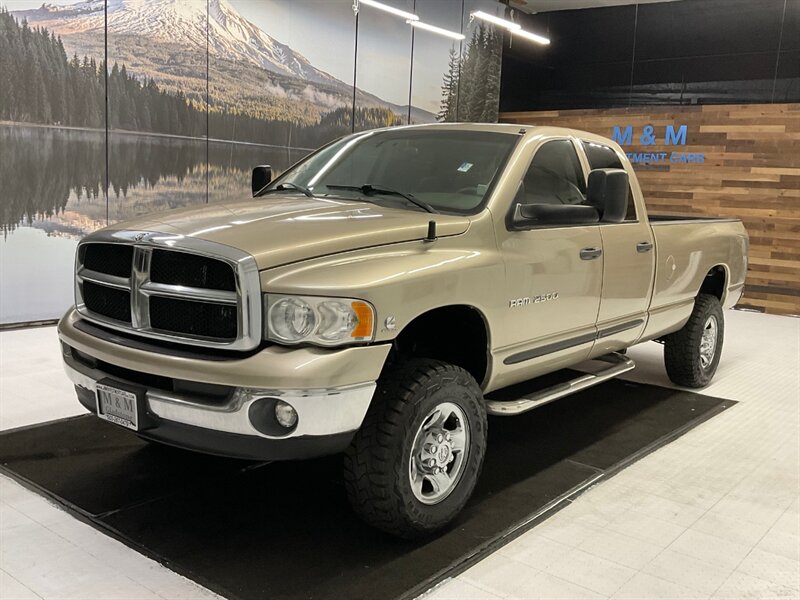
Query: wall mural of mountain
column 199, row 91
column 165, row 41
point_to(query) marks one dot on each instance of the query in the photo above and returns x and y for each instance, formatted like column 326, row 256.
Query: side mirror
column 531, row 215
column 607, row 191
column 262, row 175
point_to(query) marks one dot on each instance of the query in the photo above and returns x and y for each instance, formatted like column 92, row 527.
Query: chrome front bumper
column 234, row 424
column 320, row 412
column 327, row 419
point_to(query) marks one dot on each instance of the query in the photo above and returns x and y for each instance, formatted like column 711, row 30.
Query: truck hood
column 279, row 230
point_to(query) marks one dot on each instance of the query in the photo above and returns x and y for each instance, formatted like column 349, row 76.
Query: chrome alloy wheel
column 439, row 453
column 708, row 342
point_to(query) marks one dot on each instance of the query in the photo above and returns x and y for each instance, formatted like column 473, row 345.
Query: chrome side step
column 619, row 364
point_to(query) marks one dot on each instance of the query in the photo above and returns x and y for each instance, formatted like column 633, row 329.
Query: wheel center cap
column 444, row 453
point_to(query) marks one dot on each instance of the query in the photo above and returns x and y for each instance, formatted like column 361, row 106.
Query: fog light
column 285, row 414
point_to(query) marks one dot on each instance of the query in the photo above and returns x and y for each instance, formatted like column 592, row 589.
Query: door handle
column 590, row 253
column 644, row 247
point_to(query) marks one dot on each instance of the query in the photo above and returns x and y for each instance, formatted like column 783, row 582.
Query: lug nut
column 440, row 438
column 431, row 449
column 431, row 462
column 448, row 437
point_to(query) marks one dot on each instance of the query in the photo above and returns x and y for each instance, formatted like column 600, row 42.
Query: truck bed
column 687, row 248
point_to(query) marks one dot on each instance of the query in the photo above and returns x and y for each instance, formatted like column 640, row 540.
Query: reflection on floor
column 714, row 514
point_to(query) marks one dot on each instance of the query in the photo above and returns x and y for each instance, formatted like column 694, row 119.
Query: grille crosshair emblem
column 139, row 237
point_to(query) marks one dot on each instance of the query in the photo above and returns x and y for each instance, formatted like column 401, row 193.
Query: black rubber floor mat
column 284, row 530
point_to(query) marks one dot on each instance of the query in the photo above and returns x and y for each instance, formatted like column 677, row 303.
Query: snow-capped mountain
column 230, row 36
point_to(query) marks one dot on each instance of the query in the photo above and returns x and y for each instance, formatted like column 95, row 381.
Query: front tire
column 691, row 354
column 414, row 463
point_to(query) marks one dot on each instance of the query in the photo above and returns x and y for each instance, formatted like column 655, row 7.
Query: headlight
column 316, row 320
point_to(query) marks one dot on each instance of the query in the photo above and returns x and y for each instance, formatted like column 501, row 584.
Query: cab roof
column 514, row 128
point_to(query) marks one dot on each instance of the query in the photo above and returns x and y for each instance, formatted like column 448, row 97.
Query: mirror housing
column 607, row 192
column 532, row 215
column 262, row 175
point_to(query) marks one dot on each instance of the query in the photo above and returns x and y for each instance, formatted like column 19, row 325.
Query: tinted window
column 555, row 176
column 452, row 170
column 603, row 157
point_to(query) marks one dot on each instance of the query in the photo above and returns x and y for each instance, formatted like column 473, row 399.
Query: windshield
column 449, row 170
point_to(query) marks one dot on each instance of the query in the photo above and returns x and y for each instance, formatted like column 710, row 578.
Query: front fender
column 401, row 281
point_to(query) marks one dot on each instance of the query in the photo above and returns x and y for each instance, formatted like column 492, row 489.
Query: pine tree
column 449, row 103
column 477, row 95
column 494, row 59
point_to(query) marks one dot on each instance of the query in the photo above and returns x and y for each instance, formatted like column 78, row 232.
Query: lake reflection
column 52, row 194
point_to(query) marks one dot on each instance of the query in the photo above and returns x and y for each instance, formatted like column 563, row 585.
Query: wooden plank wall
column 751, row 171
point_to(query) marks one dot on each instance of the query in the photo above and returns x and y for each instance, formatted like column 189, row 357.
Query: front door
column 553, row 273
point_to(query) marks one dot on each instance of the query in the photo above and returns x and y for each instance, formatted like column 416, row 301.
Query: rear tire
column 691, row 354
column 414, row 463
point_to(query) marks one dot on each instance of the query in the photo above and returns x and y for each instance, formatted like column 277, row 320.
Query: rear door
column 628, row 265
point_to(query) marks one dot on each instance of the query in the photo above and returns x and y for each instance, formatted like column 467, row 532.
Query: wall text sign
column 673, row 135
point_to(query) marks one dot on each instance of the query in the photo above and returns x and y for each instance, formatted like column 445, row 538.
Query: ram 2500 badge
column 368, row 300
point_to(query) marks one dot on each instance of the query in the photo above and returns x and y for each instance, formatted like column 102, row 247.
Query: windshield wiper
column 282, row 187
column 370, row 190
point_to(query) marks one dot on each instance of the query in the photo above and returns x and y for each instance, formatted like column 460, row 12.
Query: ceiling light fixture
column 445, row 32
column 514, row 28
column 386, row 8
column 539, row 39
column 510, row 25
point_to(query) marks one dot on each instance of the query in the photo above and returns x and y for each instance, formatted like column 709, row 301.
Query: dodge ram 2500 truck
column 370, row 298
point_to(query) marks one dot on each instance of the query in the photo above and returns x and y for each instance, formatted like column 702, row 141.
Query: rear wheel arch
column 715, row 283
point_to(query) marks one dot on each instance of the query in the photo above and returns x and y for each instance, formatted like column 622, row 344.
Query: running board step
column 619, row 364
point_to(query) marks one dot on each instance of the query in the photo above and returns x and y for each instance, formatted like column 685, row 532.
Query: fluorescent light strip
column 390, row 9
column 539, row 39
column 510, row 25
column 434, row 29
column 514, row 28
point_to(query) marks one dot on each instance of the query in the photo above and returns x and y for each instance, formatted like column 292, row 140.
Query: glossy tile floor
column 715, row 514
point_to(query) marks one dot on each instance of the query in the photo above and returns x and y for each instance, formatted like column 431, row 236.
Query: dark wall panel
column 691, row 28
column 683, row 52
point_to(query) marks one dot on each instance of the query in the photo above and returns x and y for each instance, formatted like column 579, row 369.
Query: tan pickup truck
column 367, row 299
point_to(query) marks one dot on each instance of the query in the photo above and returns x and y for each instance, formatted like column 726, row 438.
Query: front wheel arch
column 457, row 334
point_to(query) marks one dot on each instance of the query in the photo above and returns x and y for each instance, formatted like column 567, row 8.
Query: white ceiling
column 534, row 6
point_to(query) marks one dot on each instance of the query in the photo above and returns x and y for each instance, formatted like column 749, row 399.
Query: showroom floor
column 714, row 514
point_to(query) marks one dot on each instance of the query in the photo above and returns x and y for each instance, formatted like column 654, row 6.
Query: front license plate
column 117, row 406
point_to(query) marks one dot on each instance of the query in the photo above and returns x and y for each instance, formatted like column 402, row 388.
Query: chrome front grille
column 170, row 287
